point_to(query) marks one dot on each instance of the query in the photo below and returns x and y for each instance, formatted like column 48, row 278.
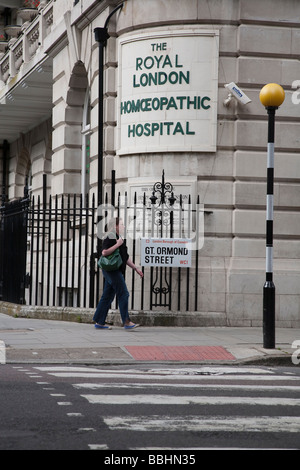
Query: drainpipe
column 5, row 148
column 101, row 36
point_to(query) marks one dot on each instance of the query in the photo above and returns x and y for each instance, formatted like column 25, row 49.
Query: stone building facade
column 166, row 108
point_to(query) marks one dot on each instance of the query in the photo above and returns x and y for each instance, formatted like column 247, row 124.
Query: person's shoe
column 102, row 327
column 130, row 327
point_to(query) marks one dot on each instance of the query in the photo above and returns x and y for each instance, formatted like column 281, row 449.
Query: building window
column 86, row 132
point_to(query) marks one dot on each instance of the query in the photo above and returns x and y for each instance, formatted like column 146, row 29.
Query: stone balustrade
column 29, row 42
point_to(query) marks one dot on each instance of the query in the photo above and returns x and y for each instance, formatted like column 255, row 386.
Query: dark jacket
column 108, row 242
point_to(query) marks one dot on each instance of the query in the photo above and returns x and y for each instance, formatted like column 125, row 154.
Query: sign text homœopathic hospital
column 168, row 92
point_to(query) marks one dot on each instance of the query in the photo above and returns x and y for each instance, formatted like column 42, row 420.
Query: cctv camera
column 237, row 93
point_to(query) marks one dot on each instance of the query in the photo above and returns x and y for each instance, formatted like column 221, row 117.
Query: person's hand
column 120, row 242
column 140, row 273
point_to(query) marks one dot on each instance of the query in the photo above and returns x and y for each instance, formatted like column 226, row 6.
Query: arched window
column 85, row 151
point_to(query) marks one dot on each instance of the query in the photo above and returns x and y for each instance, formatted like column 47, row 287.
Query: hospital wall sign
column 167, row 91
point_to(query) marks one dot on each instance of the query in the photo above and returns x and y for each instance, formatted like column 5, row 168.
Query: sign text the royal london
column 167, row 93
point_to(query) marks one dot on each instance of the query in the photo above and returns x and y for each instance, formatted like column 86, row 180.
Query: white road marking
column 183, row 373
column 137, row 385
column 190, row 400
column 146, row 376
column 190, row 423
column 266, row 380
column 98, row 446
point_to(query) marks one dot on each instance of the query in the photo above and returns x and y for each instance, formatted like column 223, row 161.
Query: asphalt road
column 145, row 411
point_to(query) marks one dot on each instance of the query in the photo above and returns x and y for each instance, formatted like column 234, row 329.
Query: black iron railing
column 62, row 236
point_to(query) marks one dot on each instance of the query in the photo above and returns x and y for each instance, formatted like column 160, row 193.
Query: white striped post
column 271, row 96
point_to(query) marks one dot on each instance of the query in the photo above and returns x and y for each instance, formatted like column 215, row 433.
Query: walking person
column 114, row 280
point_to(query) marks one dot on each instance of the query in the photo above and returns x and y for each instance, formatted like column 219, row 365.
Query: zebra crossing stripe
column 188, row 400
column 168, row 375
column 2, row 352
column 140, row 385
column 202, row 423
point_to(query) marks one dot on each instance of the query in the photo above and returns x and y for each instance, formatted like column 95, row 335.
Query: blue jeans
column 114, row 285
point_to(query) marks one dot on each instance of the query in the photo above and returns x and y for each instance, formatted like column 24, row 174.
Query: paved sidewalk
column 31, row 340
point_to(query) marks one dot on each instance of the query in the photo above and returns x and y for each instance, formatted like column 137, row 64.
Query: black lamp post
column 271, row 96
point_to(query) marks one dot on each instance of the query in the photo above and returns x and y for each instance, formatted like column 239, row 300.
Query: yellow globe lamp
column 272, row 95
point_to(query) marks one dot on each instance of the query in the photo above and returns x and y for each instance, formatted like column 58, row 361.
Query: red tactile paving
column 179, row 353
